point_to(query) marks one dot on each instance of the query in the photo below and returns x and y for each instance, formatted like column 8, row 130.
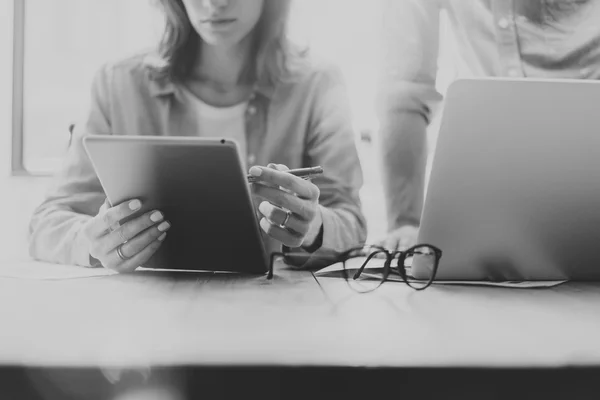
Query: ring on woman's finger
column 288, row 214
column 120, row 253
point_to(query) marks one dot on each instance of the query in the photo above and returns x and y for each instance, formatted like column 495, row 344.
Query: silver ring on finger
column 120, row 253
column 283, row 225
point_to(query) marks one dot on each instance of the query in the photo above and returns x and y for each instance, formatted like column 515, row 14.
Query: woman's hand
column 125, row 247
column 290, row 206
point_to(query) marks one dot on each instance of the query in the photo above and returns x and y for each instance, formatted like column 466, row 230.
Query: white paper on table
column 335, row 270
column 45, row 271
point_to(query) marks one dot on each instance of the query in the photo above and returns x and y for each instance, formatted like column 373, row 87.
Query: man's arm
column 403, row 149
column 406, row 94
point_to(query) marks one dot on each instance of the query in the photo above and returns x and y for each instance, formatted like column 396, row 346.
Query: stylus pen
column 304, row 173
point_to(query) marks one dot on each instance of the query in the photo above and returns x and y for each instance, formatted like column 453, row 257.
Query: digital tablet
column 201, row 188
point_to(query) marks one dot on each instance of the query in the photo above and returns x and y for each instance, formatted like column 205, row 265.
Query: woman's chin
column 220, row 39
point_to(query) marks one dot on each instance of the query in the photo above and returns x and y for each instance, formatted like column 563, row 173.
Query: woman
column 223, row 68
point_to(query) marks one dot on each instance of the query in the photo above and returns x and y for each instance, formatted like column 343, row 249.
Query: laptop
column 514, row 191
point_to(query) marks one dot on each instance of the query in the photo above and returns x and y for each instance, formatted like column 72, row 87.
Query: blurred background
column 65, row 41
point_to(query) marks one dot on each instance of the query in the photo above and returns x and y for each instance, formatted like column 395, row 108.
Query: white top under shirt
column 220, row 122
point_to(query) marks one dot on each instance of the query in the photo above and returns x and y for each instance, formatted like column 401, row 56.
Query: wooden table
column 160, row 320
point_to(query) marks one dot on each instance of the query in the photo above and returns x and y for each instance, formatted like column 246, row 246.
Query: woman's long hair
column 179, row 48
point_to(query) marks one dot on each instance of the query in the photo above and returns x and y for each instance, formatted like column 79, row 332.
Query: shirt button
column 513, row 73
column 503, row 23
column 251, row 159
column 251, row 110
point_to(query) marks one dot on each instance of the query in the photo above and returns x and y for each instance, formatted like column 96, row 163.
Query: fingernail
column 162, row 237
column 156, row 216
column 255, row 171
column 135, row 205
column 164, row 226
column 264, row 224
column 271, row 165
column 262, row 207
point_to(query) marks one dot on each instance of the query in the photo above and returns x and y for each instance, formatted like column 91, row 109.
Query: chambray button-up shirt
column 303, row 121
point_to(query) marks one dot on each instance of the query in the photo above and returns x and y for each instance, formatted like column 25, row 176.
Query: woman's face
column 223, row 22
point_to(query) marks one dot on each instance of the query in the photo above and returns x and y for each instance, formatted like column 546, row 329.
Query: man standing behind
column 504, row 38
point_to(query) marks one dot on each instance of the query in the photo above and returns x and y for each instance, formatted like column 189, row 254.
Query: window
column 6, row 79
column 64, row 43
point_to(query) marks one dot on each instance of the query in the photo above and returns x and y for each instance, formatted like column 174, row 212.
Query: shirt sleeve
column 331, row 144
column 75, row 195
column 406, row 94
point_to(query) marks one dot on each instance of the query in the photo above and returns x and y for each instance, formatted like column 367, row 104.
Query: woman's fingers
column 279, row 217
column 115, row 262
column 125, row 247
column 273, row 177
column 130, row 230
column 142, row 240
column 278, row 167
column 284, row 236
column 304, row 209
column 110, row 218
column 290, row 205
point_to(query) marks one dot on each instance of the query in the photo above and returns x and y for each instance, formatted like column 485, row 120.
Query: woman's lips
column 219, row 23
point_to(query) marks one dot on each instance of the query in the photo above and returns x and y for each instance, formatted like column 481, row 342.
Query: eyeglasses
column 366, row 268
